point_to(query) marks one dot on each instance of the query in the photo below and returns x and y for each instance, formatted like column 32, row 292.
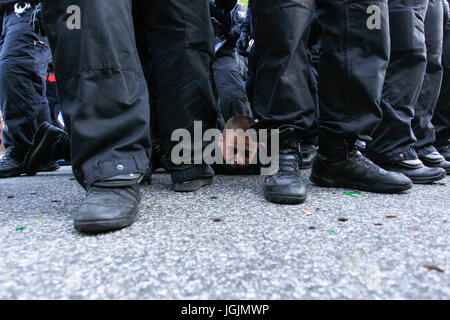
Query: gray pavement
column 257, row 250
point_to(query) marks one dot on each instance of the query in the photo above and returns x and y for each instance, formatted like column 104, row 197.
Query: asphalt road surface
column 226, row 242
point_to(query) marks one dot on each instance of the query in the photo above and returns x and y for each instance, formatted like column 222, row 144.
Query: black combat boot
column 287, row 186
column 49, row 144
column 340, row 164
column 110, row 204
column 11, row 164
column 189, row 178
column 433, row 159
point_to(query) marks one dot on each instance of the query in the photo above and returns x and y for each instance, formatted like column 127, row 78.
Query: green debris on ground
column 352, row 193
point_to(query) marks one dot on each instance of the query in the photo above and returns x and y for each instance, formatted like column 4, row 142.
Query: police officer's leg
column 310, row 139
column 431, row 86
column 230, row 88
column 351, row 73
column 181, row 39
column 23, row 63
column 441, row 118
column 105, row 105
column 281, row 90
column 393, row 141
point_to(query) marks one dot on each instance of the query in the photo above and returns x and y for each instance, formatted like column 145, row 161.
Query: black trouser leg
column 394, row 137
column 431, row 86
column 180, row 36
column 312, row 138
column 102, row 88
column 24, row 58
column 352, row 68
column 441, row 118
column 281, row 97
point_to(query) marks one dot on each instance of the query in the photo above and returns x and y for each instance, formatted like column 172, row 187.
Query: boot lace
column 290, row 162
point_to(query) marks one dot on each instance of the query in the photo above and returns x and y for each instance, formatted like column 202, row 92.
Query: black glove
column 35, row 20
column 242, row 44
column 226, row 4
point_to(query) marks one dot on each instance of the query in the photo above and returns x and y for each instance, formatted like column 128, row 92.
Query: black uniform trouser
column 441, row 118
column 311, row 134
column 230, row 88
column 313, row 83
column 393, row 139
column 352, row 66
column 24, row 57
column 102, row 87
column 431, row 86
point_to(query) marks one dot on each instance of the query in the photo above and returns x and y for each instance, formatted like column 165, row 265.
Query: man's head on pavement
column 238, row 142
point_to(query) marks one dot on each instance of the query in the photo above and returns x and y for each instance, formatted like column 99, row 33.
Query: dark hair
column 240, row 122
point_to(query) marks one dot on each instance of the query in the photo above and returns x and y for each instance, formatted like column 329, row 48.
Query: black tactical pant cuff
column 101, row 168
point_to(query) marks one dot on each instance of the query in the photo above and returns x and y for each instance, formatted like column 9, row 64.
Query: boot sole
column 429, row 180
column 51, row 168
column 191, row 186
column 42, row 137
column 11, row 175
column 284, row 199
column 336, row 183
column 103, row 226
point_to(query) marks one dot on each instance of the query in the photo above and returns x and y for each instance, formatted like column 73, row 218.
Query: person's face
column 238, row 151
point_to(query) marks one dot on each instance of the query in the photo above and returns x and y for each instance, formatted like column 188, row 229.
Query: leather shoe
column 430, row 157
column 47, row 147
column 415, row 170
column 345, row 167
column 287, row 186
column 11, row 164
column 109, row 205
